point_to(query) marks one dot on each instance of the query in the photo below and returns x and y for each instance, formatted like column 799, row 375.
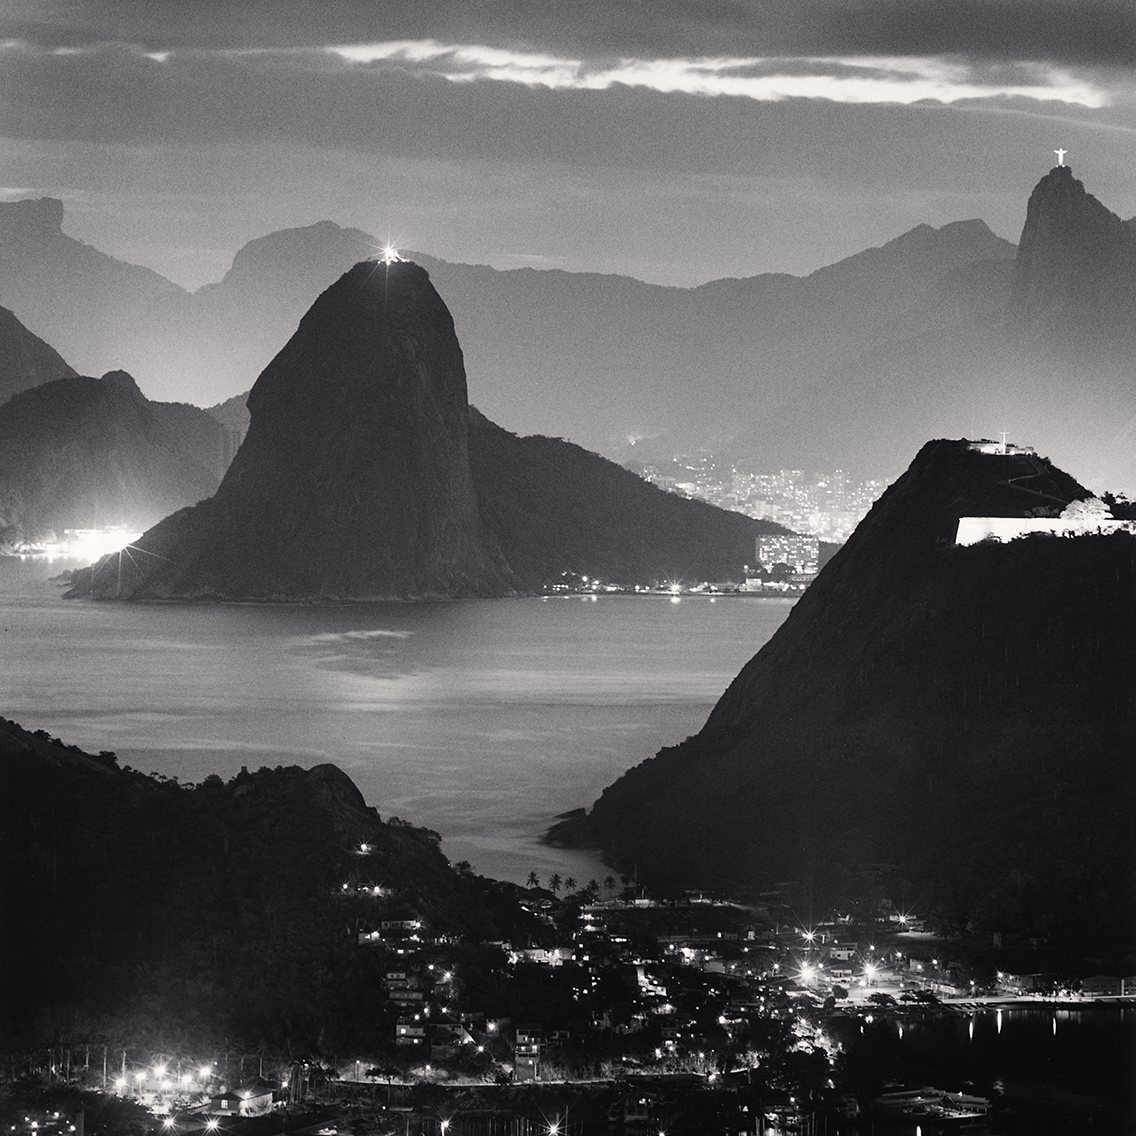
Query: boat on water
column 931, row 1104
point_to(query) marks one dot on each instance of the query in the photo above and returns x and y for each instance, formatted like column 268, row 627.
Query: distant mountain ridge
column 90, row 306
column 597, row 359
column 959, row 719
column 849, row 367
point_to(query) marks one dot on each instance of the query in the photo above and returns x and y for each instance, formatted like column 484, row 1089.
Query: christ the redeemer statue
column 1061, row 156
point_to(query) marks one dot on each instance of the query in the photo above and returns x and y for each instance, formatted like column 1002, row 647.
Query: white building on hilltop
column 1078, row 519
column 986, row 446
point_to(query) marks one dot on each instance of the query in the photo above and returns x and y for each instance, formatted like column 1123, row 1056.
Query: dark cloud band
column 1083, row 32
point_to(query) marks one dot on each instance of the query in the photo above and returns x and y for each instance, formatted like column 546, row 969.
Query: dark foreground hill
column 959, row 722
column 145, row 913
column 361, row 478
column 83, row 453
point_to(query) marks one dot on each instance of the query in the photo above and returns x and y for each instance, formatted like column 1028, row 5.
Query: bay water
column 481, row 719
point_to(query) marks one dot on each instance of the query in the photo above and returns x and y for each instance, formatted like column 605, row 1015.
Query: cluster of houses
column 674, row 996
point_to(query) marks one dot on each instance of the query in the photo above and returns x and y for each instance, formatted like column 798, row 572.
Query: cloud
column 849, row 80
column 1081, row 32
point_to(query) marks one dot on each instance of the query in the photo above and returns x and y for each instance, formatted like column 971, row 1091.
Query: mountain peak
column 354, row 478
column 1074, row 282
column 324, row 244
column 41, row 215
column 121, row 380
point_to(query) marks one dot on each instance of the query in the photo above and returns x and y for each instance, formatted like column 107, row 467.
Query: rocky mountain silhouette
column 83, row 453
column 851, row 366
column 1047, row 351
column 555, row 508
column 25, row 359
column 598, row 359
column 955, row 721
column 1073, row 292
column 353, row 480
column 361, row 477
column 94, row 309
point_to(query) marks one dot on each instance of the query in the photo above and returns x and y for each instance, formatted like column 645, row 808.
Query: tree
column 570, row 883
column 609, row 883
column 554, row 882
column 533, row 879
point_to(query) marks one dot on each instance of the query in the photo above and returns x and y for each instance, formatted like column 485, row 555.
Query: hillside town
column 617, row 1011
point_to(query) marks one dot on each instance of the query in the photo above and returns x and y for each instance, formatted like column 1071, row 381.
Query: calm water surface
column 481, row 719
column 1056, row 1069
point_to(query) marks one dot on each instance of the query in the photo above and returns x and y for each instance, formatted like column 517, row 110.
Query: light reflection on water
column 481, row 719
column 1056, row 1069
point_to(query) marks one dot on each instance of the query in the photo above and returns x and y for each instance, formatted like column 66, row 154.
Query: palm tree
column 609, row 883
column 593, row 889
column 533, row 879
column 570, row 883
column 554, row 882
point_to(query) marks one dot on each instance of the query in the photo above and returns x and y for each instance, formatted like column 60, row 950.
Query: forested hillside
column 142, row 912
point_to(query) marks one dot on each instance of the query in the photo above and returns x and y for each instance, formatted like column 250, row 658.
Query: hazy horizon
column 675, row 145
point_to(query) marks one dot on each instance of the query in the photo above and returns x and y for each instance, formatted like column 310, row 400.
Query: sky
column 676, row 141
